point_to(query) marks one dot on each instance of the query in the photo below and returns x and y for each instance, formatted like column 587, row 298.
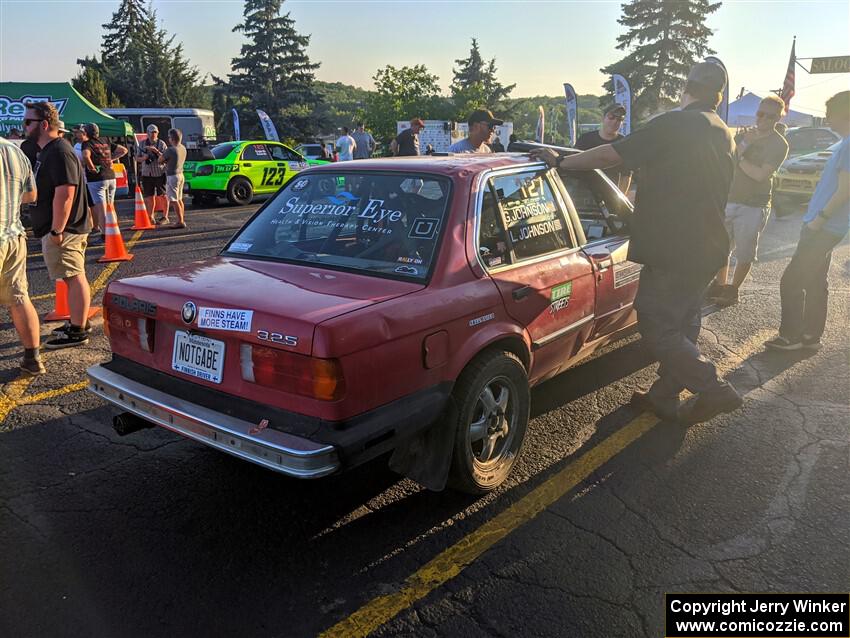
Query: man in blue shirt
column 804, row 287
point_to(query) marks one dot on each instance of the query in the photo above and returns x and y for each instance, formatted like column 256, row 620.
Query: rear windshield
column 220, row 151
column 382, row 224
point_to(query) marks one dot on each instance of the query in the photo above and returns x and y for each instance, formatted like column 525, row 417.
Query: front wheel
column 239, row 191
column 493, row 402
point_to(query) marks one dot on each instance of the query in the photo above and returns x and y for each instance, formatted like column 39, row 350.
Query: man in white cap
column 687, row 160
column 151, row 171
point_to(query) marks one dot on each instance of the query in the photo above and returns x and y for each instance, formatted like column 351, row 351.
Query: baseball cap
column 615, row 108
column 418, row 122
column 62, row 128
column 483, row 115
column 709, row 74
column 92, row 129
column 152, row 128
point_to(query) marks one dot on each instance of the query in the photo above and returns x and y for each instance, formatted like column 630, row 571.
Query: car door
column 256, row 164
column 526, row 245
column 287, row 161
column 602, row 210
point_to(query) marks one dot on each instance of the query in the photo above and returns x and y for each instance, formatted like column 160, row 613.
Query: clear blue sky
column 537, row 44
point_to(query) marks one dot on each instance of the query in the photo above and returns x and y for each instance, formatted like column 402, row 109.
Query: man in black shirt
column 407, row 142
column 686, row 159
column 60, row 218
column 609, row 132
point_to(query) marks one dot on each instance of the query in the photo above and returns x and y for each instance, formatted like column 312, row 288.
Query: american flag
column 788, row 85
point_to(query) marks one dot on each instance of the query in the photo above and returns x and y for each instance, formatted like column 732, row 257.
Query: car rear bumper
column 279, row 451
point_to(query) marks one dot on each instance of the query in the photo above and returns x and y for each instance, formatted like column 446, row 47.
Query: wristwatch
column 56, row 233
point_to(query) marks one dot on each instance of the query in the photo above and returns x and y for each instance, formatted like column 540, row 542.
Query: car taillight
column 139, row 330
column 308, row 376
column 106, row 320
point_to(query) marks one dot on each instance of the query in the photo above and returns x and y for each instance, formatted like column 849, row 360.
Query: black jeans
column 804, row 287
column 669, row 309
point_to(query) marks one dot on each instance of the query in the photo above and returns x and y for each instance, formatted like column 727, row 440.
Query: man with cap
column 406, row 143
column 608, row 133
column 152, row 172
column 60, row 218
column 686, row 159
column 97, row 156
column 481, row 123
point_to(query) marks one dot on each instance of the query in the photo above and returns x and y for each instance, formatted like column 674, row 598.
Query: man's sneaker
column 68, row 339
column 33, row 367
column 781, row 343
column 810, row 343
column 709, row 404
column 728, row 296
column 65, row 327
column 644, row 402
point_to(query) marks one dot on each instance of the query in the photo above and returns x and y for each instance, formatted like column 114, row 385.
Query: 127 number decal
column 273, row 176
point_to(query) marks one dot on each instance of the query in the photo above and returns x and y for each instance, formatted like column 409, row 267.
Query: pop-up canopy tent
column 742, row 112
column 73, row 108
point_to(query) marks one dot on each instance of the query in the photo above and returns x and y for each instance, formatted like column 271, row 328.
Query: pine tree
column 475, row 85
column 90, row 84
column 274, row 73
column 140, row 63
column 665, row 38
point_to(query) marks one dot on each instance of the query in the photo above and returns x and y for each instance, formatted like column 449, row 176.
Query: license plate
column 198, row 356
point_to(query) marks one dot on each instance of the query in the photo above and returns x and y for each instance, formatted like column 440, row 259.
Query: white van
column 194, row 123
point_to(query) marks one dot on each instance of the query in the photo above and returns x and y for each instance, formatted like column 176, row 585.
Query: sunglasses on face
column 769, row 116
column 612, row 116
column 29, row 121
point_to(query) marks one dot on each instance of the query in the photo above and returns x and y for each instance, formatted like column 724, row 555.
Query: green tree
column 401, row 94
column 140, row 63
column 91, row 85
column 475, row 84
column 664, row 38
column 273, row 73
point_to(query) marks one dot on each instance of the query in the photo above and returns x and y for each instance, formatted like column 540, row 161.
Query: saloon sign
column 12, row 109
column 836, row 64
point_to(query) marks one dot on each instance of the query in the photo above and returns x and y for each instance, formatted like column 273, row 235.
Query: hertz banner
column 837, row 64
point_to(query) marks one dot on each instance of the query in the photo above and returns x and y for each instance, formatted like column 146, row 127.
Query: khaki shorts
column 13, row 271
column 744, row 225
column 67, row 260
column 174, row 187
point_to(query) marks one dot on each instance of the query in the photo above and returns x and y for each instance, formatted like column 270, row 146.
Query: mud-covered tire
column 240, row 192
column 493, row 400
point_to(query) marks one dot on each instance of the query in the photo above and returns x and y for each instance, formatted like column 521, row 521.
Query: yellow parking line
column 51, row 394
column 452, row 561
column 13, row 392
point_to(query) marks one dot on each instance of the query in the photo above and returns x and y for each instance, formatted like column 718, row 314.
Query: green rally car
column 239, row 170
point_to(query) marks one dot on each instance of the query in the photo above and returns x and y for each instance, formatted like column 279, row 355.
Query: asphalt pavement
column 153, row 535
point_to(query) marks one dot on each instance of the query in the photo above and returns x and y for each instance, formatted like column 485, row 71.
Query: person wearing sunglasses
column 60, row 218
column 760, row 152
column 608, row 133
column 482, row 124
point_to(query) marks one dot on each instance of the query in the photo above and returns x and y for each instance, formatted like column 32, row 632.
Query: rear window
column 220, row 151
column 381, row 224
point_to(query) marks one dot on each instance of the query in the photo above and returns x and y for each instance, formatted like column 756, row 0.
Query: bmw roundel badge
column 189, row 313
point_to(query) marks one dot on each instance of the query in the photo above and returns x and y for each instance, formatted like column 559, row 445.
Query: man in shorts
column 60, row 219
column 173, row 160
column 152, row 172
column 17, row 186
column 760, row 152
column 98, row 156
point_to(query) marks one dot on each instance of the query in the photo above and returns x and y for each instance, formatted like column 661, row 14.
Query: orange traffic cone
column 142, row 221
column 61, row 310
column 115, row 250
